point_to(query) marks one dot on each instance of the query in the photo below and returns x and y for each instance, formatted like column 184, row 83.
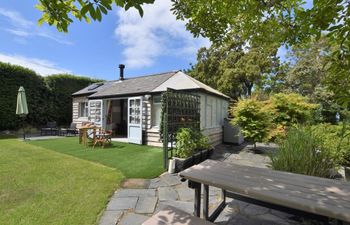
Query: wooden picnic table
column 310, row 196
column 84, row 136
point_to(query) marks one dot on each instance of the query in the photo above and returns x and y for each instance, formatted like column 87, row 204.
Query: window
column 83, row 109
column 156, row 111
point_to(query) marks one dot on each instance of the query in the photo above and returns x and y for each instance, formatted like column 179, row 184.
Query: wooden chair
column 103, row 137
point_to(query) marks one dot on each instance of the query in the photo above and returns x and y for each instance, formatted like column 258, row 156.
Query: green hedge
column 49, row 98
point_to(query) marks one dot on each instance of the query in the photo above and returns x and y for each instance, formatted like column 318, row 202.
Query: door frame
column 135, row 125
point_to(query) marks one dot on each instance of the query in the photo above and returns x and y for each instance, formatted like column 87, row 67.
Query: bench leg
column 197, row 200
column 205, row 202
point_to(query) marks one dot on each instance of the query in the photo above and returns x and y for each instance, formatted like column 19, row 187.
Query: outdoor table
column 83, row 134
column 308, row 196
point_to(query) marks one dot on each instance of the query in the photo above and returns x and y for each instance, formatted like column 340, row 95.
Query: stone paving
column 139, row 199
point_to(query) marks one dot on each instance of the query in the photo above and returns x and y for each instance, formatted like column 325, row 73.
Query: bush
column 291, row 109
column 254, row 118
column 49, row 99
column 305, row 151
column 188, row 142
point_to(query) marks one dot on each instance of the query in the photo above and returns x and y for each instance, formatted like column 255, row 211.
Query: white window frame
column 86, row 109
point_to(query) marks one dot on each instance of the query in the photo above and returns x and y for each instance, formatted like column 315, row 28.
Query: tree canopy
column 61, row 13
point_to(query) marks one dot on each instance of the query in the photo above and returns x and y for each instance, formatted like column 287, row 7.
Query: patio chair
column 72, row 130
column 103, row 137
column 50, row 129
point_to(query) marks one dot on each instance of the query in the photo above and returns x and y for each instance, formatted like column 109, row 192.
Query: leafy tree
column 278, row 22
column 254, row 118
column 233, row 68
column 61, row 13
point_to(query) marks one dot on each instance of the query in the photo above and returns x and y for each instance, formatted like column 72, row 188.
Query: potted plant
column 191, row 148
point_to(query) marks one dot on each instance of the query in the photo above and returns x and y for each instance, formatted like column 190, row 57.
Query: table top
column 321, row 196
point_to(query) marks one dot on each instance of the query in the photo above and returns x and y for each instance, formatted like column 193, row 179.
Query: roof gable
column 182, row 81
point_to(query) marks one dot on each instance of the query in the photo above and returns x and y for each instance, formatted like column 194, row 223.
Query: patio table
column 312, row 197
column 83, row 134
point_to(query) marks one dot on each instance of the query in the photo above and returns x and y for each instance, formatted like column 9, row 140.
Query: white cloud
column 41, row 66
column 156, row 34
column 23, row 28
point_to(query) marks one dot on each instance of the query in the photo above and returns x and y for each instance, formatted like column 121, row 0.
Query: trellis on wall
column 180, row 109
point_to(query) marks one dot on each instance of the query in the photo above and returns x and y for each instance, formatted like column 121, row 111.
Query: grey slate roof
column 129, row 86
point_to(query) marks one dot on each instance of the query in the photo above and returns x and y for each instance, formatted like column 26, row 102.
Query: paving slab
column 167, row 193
column 122, row 203
column 185, row 193
column 146, row 205
column 133, row 219
column 170, row 179
column 136, row 193
column 136, row 183
column 184, row 206
column 110, row 217
column 156, row 183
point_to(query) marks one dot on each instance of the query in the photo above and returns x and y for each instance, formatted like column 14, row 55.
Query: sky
column 152, row 44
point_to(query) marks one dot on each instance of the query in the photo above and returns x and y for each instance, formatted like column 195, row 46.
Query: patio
column 139, row 199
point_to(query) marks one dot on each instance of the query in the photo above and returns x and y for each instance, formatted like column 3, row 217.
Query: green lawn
column 134, row 161
column 39, row 186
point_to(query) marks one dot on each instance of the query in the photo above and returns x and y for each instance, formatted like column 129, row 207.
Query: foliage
column 291, row 109
column 133, row 161
column 233, row 68
column 11, row 78
column 285, row 21
column 49, row 99
column 38, row 184
column 337, row 139
column 304, row 151
column 61, row 13
column 189, row 141
column 61, row 87
column 254, row 118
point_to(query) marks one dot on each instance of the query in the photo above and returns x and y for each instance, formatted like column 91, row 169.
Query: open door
column 135, row 120
column 96, row 112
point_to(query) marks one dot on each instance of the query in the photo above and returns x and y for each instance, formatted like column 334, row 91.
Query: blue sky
column 155, row 43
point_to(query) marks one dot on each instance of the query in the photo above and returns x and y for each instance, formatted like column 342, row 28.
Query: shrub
column 291, row 109
column 254, row 118
column 188, row 142
column 304, row 151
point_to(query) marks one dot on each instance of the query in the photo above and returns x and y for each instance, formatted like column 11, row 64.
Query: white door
column 96, row 112
column 135, row 120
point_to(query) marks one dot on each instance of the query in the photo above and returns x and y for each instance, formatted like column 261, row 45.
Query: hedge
column 49, row 98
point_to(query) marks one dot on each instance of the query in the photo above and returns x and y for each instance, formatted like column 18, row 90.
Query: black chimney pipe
column 121, row 74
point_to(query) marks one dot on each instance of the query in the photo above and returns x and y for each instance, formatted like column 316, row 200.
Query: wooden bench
column 313, row 197
column 174, row 216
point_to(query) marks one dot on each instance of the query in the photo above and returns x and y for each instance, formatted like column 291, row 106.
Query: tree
column 278, row 22
column 233, row 68
column 254, row 118
column 60, row 13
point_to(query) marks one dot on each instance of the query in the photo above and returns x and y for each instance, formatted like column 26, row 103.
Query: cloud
column 156, row 34
column 41, row 66
column 23, row 28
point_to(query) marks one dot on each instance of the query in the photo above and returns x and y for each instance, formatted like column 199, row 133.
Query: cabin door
column 135, row 120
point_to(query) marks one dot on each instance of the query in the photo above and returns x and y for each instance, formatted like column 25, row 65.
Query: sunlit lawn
column 40, row 186
column 134, row 161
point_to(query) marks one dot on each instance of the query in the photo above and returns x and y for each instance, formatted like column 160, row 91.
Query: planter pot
column 347, row 173
column 182, row 164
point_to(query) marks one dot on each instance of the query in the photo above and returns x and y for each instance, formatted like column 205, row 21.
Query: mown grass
column 134, row 161
column 39, row 186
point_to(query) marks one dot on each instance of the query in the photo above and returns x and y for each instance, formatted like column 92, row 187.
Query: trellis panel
column 180, row 109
